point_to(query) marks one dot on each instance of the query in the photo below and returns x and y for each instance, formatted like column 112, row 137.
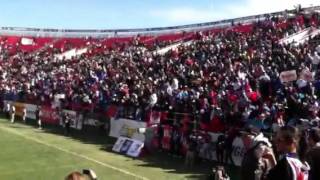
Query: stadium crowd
column 226, row 81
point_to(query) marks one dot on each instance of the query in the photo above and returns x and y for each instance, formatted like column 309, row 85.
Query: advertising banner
column 19, row 108
column 127, row 128
column 92, row 119
column 167, row 130
column 238, row 152
column 288, row 76
column 75, row 119
column 6, row 105
column 135, row 148
column 307, row 75
column 31, row 111
column 130, row 147
column 49, row 115
column 117, row 146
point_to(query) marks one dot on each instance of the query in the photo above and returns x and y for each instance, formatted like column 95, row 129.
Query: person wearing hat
column 313, row 155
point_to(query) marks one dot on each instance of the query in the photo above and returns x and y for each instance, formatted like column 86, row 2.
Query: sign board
column 288, row 76
column 31, row 111
column 135, row 148
column 76, row 121
column 306, row 75
column 238, row 151
column 127, row 128
column 130, row 147
column 19, row 108
column 117, row 146
column 49, row 115
column 6, row 105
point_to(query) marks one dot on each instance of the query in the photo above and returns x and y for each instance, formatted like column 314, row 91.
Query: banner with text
column 127, row 128
column 49, row 115
column 19, row 108
column 75, row 119
column 288, row 76
column 31, row 111
column 130, row 147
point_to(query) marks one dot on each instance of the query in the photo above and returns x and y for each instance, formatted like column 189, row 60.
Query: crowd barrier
column 131, row 130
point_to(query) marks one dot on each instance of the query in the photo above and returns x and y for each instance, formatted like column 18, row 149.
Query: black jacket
column 313, row 158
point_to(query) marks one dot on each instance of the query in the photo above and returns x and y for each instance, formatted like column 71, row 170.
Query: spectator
column 75, row 176
column 12, row 113
column 191, row 153
column 254, row 165
column 38, row 117
column 220, row 148
column 313, row 155
column 24, row 114
column 289, row 166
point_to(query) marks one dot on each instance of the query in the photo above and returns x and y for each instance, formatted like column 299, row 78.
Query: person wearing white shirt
column 24, row 115
column 13, row 112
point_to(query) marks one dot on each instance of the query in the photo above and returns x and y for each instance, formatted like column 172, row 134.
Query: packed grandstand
column 193, row 87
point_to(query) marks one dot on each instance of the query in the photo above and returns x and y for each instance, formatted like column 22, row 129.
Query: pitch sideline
column 73, row 153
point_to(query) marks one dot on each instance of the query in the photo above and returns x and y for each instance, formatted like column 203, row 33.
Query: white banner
column 135, row 148
column 5, row 105
column 288, row 76
column 92, row 122
column 127, row 128
column 31, row 110
column 306, row 75
column 117, row 146
column 130, row 147
column 238, row 151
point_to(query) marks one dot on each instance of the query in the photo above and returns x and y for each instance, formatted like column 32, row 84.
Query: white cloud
column 186, row 15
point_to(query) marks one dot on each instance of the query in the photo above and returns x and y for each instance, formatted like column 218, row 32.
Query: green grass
column 28, row 153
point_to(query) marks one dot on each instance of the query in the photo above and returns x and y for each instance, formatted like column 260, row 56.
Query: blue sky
column 111, row 14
